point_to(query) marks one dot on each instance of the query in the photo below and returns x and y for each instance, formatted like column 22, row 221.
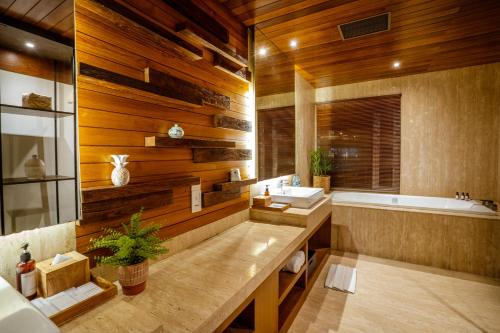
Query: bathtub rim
column 494, row 216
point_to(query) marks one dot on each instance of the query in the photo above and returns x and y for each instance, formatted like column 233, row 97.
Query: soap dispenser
column 25, row 274
column 266, row 193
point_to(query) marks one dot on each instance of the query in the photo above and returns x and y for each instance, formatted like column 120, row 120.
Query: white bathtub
column 411, row 201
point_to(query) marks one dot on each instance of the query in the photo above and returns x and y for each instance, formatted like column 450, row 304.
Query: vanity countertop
column 301, row 217
column 197, row 289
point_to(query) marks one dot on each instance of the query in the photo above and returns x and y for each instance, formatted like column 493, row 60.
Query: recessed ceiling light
column 262, row 51
column 293, row 43
column 396, row 64
column 30, row 45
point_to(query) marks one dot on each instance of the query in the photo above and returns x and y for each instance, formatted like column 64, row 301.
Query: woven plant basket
column 133, row 278
column 323, row 182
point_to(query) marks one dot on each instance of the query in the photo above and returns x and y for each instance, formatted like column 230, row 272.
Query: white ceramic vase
column 34, row 168
column 176, row 132
column 120, row 175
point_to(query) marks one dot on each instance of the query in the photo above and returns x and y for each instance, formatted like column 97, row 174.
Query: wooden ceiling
column 425, row 35
column 50, row 15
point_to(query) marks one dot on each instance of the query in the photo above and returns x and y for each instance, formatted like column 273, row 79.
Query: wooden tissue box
column 35, row 101
column 53, row 279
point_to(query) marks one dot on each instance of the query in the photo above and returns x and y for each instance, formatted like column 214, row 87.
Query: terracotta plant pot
column 322, row 181
column 133, row 278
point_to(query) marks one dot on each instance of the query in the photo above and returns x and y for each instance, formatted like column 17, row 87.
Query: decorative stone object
column 176, row 132
column 235, row 175
column 120, row 175
column 35, row 101
column 34, row 168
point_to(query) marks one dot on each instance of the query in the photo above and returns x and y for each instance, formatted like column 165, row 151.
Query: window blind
column 363, row 138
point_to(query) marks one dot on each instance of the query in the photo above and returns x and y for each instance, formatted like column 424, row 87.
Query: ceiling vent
column 367, row 26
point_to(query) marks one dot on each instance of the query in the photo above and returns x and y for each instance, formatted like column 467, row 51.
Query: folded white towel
column 342, row 278
column 296, row 262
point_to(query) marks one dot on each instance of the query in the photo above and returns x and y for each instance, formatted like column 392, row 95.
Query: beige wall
column 450, row 124
column 305, row 127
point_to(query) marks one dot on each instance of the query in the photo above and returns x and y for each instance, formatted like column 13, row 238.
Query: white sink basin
column 18, row 315
column 298, row 197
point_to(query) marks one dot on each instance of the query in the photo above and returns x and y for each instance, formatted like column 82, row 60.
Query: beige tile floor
column 397, row 297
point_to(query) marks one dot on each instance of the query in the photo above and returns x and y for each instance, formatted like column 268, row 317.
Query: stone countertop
column 198, row 288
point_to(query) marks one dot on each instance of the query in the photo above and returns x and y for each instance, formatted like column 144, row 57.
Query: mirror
column 275, row 107
column 38, row 116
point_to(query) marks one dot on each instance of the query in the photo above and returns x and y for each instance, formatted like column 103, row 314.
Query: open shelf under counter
column 25, row 180
column 290, row 306
column 321, row 257
column 287, row 281
column 24, row 111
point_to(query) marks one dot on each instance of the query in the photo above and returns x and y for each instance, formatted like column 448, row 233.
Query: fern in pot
column 321, row 166
column 131, row 251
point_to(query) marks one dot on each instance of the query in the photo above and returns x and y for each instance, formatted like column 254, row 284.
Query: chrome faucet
column 283, row 182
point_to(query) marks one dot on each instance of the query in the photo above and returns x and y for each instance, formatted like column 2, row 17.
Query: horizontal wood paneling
column 115, row 120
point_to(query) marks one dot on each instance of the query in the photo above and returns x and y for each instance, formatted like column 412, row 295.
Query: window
column 363, row 136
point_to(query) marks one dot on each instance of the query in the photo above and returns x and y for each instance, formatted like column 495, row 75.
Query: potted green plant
column 321, row 166
column 131, row 251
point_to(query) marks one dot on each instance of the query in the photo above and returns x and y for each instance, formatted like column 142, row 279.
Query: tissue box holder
column 53, row 279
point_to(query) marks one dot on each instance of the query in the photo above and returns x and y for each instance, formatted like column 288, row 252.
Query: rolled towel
column 296, row 262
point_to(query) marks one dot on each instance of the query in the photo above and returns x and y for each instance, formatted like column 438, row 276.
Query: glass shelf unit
column 20, row 110
column 51, row 134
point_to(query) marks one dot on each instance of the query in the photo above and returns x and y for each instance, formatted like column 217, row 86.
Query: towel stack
column 296, row 262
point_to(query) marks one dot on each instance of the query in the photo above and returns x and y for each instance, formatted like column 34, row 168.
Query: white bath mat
column 342, row 278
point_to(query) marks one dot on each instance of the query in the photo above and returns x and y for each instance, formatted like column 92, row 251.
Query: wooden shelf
column 235, row 70
column 110, row 202
column 204, row 155
column 214, row 198
column 197, row 35
column 101, row 193
column 228, row 186
column 180, row 44
column 223, row 121
column 21, row 110
column 203, row 19
column 164, row 141
column 185, row 90
column 287, row 281
column 176, row 95
column 25, row 180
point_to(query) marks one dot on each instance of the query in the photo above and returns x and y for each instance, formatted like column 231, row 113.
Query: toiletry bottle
column 467, row 196
column 457, row 196
column 266, row 193
column 462, row 196
column 25, row 274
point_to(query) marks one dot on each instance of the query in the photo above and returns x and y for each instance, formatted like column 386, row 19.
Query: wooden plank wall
column 116, row 120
